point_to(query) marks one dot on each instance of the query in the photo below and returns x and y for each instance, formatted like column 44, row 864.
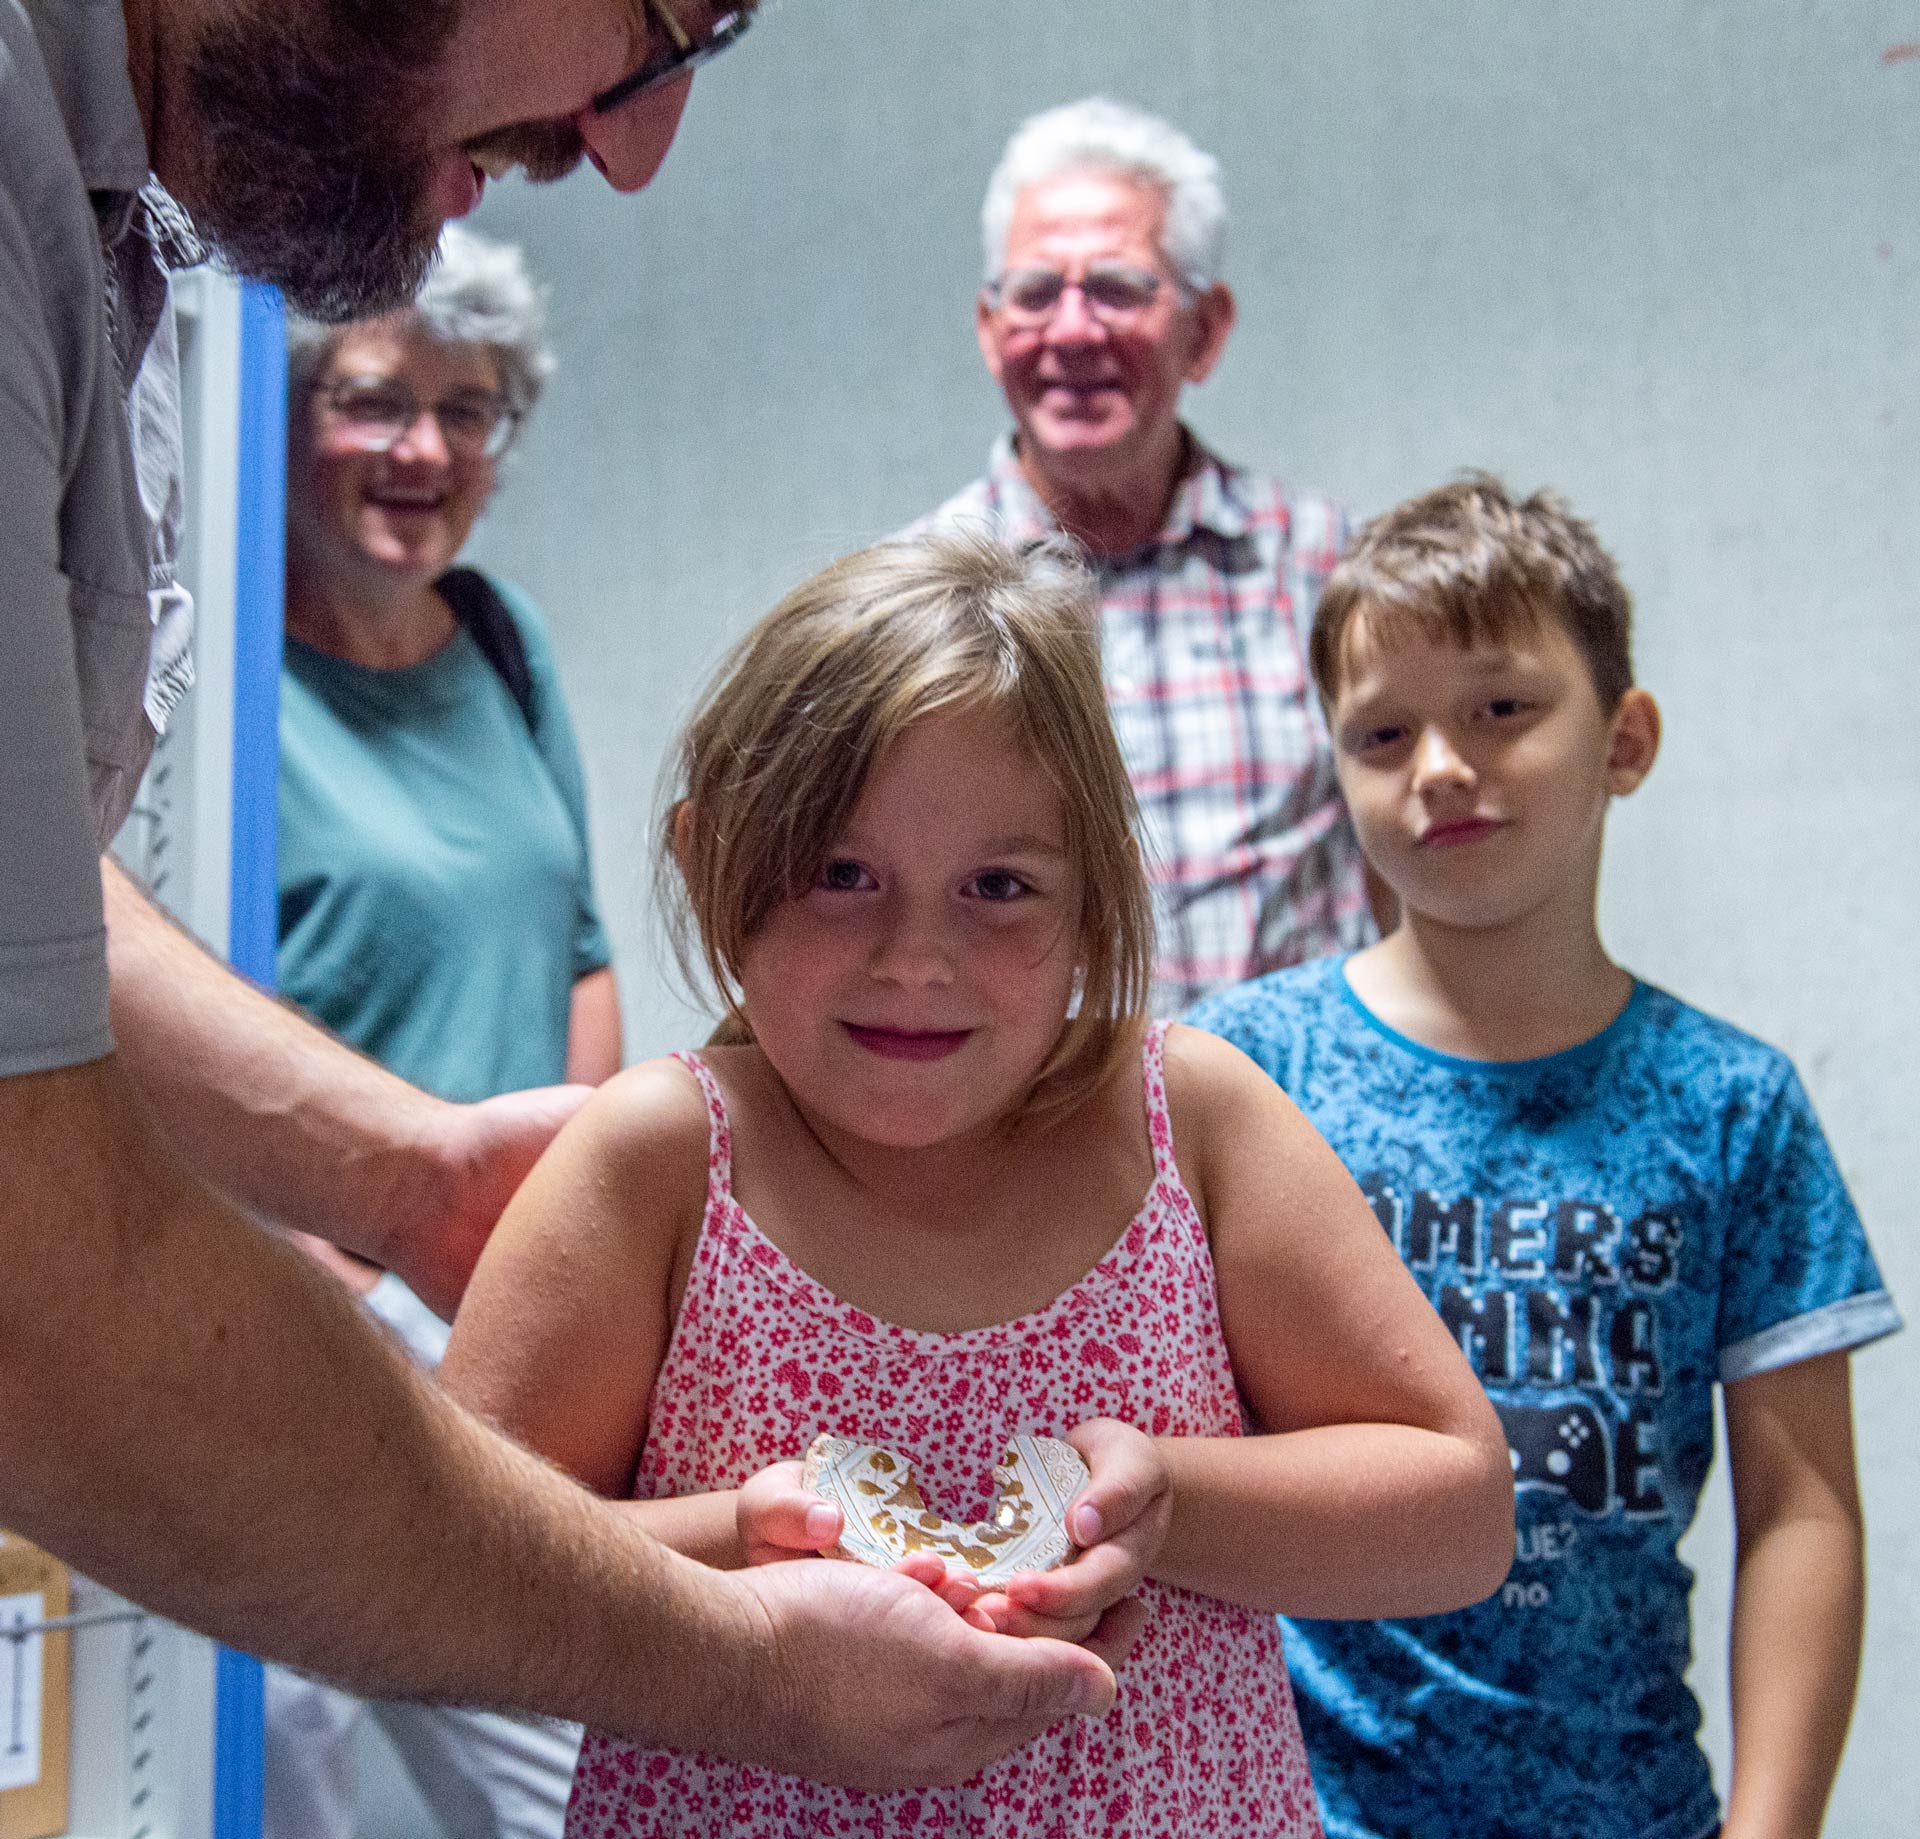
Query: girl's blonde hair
column 768, row 771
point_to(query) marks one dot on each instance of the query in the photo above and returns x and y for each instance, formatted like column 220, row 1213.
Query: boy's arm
column 297, row 1128
column 1382, row 1485
column 1799, row 1591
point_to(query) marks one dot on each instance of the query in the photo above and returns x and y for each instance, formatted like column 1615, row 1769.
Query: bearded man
column 187, row 1410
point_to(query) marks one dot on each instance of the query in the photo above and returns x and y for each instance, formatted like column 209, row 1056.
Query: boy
column 1612, row 1199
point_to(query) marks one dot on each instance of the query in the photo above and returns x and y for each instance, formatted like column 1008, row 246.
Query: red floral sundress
column 1204, row 1739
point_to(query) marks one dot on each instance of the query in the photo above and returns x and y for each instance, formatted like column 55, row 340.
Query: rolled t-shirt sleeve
column 1800, row 1278
column 53, row 966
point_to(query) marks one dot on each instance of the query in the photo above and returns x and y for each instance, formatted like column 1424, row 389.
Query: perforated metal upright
column 166, row 1726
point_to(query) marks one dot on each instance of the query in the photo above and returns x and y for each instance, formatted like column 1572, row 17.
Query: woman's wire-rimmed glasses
column 682, row 53
column 377, row 415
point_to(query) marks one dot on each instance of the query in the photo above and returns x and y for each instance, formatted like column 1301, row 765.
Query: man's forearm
column 300, row 1130
column 194, row 1416
column 291, row 1124
column 197, row 1417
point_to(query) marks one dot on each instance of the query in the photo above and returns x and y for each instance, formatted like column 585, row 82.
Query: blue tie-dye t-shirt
column 1607, row 1231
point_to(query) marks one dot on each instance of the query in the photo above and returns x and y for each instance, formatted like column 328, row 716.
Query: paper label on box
column 23, row 1663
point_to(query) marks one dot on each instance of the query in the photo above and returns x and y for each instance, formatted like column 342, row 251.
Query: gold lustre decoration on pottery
column 886, row 1517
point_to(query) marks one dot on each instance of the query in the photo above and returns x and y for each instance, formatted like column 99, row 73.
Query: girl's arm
column 560, row 1340
column 1378, row 1481
column 565, row 1324
column 563, row 1329
column 1798, row 1592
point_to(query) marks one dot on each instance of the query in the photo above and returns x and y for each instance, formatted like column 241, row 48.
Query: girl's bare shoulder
column 654, row 1117
column 1224, row 1110
column 623, row 1189
column 1207, row 1076
column 651, row 1096
column 649, row 1121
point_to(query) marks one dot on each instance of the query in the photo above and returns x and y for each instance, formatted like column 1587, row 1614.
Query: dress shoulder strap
column 719, row 1126
column 1153, row 1078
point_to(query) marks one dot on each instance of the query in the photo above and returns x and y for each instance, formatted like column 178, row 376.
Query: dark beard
column 307, row 178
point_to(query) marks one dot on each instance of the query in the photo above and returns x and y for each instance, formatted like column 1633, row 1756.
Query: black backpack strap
column 478, row 607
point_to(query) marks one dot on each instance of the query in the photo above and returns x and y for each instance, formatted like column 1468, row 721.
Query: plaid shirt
column 1203, row 641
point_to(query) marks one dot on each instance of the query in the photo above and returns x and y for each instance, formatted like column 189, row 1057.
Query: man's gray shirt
column 93, row 629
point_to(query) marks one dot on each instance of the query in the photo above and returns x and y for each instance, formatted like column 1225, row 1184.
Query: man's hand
column 471, row 1161
column 298, row 1129
column 1118, row 1521
column 869, row 1679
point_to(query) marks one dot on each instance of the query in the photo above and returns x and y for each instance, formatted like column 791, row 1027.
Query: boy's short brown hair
column 1466, row 563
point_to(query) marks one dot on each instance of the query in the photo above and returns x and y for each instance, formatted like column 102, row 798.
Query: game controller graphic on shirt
column 1561, row 1447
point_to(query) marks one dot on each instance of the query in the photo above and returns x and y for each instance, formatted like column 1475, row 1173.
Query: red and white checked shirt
column 1204, row 649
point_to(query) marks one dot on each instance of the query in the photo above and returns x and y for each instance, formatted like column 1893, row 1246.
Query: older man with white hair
column 1104, row 228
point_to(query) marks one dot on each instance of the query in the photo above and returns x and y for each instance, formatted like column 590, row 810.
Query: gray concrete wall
column 1664, row 254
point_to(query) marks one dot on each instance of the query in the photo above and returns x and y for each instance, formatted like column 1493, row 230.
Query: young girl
column 944, row 1186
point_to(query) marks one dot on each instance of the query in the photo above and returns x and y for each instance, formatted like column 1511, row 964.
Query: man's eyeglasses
column 681, row 52
column 376, row 415
column 1113, row 292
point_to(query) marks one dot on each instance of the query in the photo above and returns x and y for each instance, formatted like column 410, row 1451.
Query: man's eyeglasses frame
column 682, row 55
column 1187, row 289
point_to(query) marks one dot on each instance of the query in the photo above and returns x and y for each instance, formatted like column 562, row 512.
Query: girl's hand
column 779, row 1517
column 1118, row 1522
column 954, row 1587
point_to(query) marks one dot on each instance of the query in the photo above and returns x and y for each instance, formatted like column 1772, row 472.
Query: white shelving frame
column 165, row 1738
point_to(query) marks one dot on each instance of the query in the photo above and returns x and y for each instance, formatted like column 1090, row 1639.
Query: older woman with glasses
column 436, row 900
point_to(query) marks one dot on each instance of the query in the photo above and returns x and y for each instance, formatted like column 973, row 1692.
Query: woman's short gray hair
column 1104, row 136
column 477, row 293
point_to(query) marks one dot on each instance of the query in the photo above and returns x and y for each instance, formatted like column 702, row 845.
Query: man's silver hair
column 1101, row 136
column 477, row 293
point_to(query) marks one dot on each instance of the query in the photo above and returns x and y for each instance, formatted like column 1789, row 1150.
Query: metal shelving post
column 167, row 1726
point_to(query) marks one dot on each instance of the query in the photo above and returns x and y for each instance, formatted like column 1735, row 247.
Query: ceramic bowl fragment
column 887, row 1518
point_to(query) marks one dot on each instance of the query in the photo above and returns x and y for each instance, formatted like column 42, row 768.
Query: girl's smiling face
column 914, row 993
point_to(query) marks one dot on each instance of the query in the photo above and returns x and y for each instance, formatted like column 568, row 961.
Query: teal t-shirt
column 436, row 896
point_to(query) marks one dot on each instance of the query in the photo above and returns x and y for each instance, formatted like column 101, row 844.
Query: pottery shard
column 887, row 1518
